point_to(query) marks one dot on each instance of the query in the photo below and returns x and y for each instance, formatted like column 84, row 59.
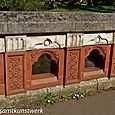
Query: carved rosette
column 73, row 60
column 34, row 55
column 15, row 72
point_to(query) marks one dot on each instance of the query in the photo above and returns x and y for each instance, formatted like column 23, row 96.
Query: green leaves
column 21, row 5
column 64, row 97
column 51, row 4
column 48, row 99
column 51, row 98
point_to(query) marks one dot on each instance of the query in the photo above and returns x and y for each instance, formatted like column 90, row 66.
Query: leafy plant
column 89, row 92
column 51, row 4
column 71, row 95
column 52, row 98
column 21, row 5
column 64, row 98
column 48, row 99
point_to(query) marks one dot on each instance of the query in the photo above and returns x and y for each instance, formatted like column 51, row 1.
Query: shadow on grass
column 104, row 9
column 67, row 7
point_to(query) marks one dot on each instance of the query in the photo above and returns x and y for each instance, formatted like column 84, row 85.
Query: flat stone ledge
column 105, row 83
column 48, row 22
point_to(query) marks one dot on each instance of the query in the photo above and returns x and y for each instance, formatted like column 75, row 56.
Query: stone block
column 2, row 45
column 41, row 42
column 81, row 39
column 56, row 89
column 105, row 83
column 23, row 43
column 15, row 43
column 88, row 85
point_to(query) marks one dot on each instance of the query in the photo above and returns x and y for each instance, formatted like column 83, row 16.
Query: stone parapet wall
column 77, row 47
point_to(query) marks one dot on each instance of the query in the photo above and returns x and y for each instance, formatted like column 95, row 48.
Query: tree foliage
column 37, row 5
column 21, row 5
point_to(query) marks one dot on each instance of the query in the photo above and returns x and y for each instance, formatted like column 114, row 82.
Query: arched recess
column 46, row 64
column 95, row 58
column 101, row 50
column 44, row 68
column 94, row 62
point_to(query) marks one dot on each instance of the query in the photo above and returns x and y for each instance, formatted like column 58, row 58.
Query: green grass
column 84, row 8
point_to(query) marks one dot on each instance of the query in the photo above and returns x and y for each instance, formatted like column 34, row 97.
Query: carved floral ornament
column 54, row 55
column 72, row 65
column 15, row 73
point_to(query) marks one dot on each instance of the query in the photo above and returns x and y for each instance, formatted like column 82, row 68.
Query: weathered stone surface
column 40, row 22
column 23, row 43
column 88, row 85
column 105, row 83
column 81, row 39
column 41, row 42
column 15, row 43
column 2, row 45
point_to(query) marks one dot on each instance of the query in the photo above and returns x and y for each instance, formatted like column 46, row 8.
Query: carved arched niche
column 45, row 65
column 95, row 61
column 44, row 68
column 95, row 58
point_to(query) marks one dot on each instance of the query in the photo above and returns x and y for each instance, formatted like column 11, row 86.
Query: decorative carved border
column 104, row 51
column 35, row 54
column 101, row 49
column 14, row 73
column 72, row 65
column 38, row 82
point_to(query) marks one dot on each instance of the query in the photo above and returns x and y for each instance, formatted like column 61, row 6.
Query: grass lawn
column 84, row 8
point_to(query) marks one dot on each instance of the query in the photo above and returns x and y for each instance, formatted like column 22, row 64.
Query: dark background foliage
column 46, row 5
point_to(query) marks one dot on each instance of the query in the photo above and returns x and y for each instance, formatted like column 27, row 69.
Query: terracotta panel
column 87, row 73
column 14, row 73
column 44, row 80
column 112, row 63
column 72, row 65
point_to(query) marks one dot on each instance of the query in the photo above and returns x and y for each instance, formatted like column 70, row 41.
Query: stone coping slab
column 50, row 22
